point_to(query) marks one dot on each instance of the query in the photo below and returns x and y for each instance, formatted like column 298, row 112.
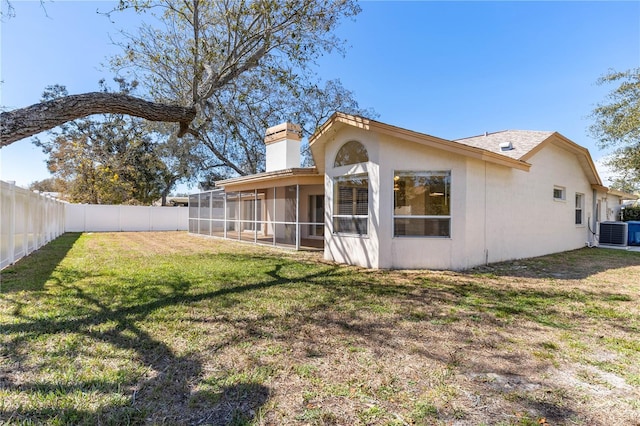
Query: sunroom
column 283, row 206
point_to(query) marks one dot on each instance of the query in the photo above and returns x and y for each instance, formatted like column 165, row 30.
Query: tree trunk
column 165, row 192
column 24, row 122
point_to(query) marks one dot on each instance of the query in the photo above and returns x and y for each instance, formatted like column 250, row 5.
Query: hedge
column 631, row 213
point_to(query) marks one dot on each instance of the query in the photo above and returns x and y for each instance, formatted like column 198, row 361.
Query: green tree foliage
column 51, row 184
column 113, row 159
column 631, row 213
column 617, row 126
column 247, row 65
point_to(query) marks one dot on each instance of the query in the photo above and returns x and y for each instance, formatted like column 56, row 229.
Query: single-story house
column 381, row 196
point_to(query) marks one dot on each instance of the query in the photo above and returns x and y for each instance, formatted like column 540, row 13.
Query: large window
column 579, row 208
column 352, row 152
column 351, row 204
column 422, row 204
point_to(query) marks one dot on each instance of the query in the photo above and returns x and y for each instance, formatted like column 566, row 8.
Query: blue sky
column 450, row 69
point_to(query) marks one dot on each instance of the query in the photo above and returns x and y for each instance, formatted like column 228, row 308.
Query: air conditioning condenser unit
column 613, row 233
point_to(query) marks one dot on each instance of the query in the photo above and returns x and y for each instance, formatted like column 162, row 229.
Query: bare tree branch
column 205, row 139
column 24, row 122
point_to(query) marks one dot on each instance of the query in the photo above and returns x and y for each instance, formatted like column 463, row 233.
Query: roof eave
column 622, row 194
column 417, row 137
column 581, row 152
column 269, row 176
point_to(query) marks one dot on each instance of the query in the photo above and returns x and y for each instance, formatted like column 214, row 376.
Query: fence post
column 29, row 221
column 12, row 224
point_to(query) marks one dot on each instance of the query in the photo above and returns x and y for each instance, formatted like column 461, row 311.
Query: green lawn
column 168, row 328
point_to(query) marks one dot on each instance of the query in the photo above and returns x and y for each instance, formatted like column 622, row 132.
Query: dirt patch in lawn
column 216, row 332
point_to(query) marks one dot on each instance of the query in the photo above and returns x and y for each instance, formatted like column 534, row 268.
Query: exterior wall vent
column 613, row 233
column 506, row 146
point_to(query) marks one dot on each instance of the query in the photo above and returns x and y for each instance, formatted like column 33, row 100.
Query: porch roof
column 296, row 176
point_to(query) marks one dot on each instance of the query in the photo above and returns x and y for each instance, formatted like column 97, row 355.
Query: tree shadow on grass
column 172, row 392
column 235, row 404
column 571, row 265
column 32, row 272
column 166, row 395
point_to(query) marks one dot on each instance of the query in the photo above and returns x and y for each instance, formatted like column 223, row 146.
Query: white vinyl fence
column 103, row 218
column 28, row 221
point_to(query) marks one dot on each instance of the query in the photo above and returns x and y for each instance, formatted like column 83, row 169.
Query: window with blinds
column 351, row 204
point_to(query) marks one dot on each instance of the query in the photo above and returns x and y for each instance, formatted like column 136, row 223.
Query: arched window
column 352, row 152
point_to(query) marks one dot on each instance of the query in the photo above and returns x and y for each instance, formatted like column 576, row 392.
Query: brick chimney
column 283, row 147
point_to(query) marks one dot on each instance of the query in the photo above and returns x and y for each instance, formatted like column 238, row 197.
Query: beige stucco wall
column 354, row 249
column 498, row 213
column 419, row 252
column 610, row 207
column 379, row 249
column 522, row 219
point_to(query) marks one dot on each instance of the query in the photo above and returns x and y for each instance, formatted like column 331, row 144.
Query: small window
column 352, row 152
column 579, row 208
column 559, row 193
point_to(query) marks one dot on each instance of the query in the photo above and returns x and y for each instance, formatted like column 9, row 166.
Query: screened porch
column 289, row 216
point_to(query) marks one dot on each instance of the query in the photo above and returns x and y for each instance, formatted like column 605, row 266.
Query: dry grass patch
column 167, row 328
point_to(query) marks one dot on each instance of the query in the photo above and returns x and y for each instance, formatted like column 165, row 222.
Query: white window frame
column 344, row 146
column 398, row 216
column 563, row 193
column 579, row 209
column 354, row 202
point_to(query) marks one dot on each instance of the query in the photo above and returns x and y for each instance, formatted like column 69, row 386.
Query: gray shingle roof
column 522, row 141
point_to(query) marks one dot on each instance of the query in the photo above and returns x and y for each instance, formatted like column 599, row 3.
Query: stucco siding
column 282, row 155
column 419, row 252
column 524, row 219
column 361, row 250
column 497, row 212
column 474, row 249
column 610, row 207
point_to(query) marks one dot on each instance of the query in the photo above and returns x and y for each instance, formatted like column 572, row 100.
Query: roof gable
column 340, row 120
column 525, row 144
column 522, row 142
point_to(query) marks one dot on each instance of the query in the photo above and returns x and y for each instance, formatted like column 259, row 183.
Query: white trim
column 395, row 216
column 563, row 190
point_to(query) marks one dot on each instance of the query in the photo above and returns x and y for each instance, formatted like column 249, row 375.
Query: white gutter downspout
column 297, row 216
column 486, row 249
column 594, row 206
